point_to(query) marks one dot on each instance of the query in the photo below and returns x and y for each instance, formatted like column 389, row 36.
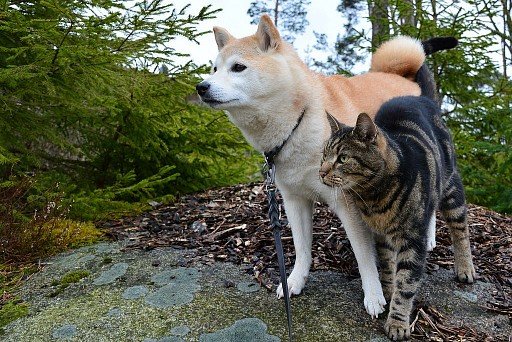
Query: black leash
column 274, row 215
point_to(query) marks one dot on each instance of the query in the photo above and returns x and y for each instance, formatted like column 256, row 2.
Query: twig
column 229, row 230
column 430, row 322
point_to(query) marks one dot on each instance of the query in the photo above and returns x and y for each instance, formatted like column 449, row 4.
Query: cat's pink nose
column 324, row 169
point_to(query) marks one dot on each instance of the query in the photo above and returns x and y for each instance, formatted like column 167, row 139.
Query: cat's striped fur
column 398, row 170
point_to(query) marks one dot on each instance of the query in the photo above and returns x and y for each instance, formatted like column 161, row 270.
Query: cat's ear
column 335, row 124
column 267, row 34
column 365, row 128
column 222, row 36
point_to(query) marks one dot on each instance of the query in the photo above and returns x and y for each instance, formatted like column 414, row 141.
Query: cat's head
column 353, row 156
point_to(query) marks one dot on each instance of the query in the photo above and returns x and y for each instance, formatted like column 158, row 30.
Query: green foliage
column 94, row 99
column 476, row 94
column 483, row 136
column 477, row 98
column 30, row 231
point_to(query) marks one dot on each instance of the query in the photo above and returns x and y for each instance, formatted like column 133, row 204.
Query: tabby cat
column 398, row 170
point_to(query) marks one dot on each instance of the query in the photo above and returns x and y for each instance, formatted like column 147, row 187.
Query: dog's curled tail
column 401, row 55
column 404, row 55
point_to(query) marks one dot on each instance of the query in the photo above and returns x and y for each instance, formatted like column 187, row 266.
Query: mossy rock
column 74, row 277
column 68, row 279
column 11, row 311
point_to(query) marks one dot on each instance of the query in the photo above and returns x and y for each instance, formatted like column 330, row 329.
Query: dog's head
column 246, row 71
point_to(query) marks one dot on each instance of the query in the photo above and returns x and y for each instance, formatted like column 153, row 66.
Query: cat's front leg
column 299, row 211
column 387, row 261
column 410, row 265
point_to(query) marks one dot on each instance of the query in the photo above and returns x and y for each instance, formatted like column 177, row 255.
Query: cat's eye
column 214, row 69
column 342, row 159
column 237, row 67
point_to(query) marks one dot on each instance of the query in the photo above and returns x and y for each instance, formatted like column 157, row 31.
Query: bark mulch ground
column 231, row 224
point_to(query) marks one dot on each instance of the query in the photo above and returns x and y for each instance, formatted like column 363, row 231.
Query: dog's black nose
column 202, row 88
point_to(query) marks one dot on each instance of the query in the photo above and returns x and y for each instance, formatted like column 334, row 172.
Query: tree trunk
column 410, row 14
column 378, row 10
column 506, row 38
column 276, row 12
column 504, row 32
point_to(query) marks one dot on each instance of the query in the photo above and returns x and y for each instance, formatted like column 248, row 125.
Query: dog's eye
column 237, row 67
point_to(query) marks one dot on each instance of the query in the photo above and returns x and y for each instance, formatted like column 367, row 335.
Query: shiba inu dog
column 265, row 88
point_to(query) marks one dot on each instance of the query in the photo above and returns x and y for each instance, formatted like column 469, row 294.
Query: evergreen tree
column 82, row 102
column 347, row 50
column 289, row 15
column 473, row 79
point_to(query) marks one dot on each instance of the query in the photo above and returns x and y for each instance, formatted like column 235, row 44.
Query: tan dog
column 265, row 87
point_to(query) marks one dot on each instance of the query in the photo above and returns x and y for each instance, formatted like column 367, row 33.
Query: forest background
column 95, row 122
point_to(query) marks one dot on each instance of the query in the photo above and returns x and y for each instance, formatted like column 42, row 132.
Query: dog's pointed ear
column 334, row 123
column 267, row 34
column 365, row 128
column 222, row 36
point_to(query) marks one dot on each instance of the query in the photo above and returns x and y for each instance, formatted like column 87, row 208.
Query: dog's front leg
column 363, row 244
column 299, row 211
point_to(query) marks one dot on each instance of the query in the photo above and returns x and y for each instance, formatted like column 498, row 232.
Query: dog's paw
column 397, row 330
column 295, row 286
column 374, row 304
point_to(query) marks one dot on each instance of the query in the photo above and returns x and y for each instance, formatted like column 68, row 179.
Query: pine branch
column 57, row 49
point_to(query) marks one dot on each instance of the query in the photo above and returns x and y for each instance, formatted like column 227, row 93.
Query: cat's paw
column 397, row 330
column 374, row 304
column 295, row 286
column 465, row 272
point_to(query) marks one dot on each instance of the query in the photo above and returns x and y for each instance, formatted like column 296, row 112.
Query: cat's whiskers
column 352, row 190
column 364, row 187
column 343, row 193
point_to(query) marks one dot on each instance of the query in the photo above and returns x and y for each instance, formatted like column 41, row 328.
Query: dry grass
column 29, row 232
